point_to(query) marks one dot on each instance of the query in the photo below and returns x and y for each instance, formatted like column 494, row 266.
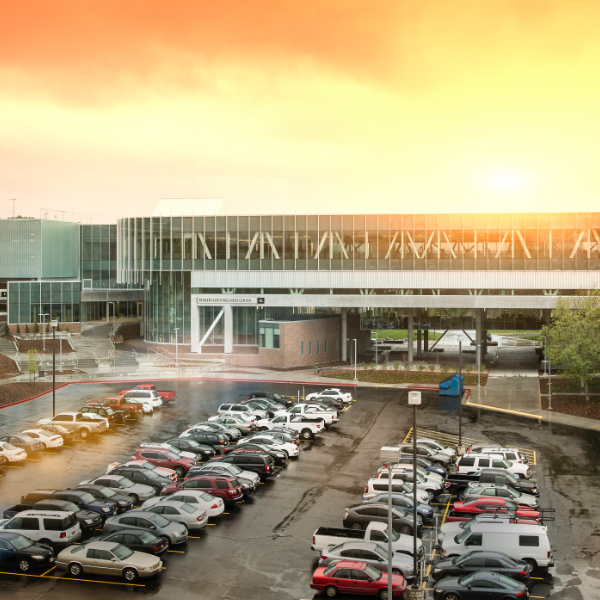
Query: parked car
column 352, row 577
column 459, row 481
column 436, row 446
column 166, row 395
column 23, row 441
column 201, row 451
column 84, row 500
column 455, row 527
column 133, row 407
column 486, row 490
column 346, row 397
column 146, row 465
column 405, row 502
column 372, row 553
column 166, row 446
column 263, row 407
column 285, row 401
column 434, row 477
column 274, row 443
column 46, row 438
column 135, row 539
column 221, row 486
column 423, row 462
column 108, row 558
column 54, row 527
column 469, row 463
column 220, row 468
column 83, row 425
column 207, row 502
column 163, row 458
column 188, row 514
column 307, row 427
column 437, row 458
column 258, row 462
column 151, row 397
column 101, row 492
column 241, row 409
column 400, row 483
column 11, row 452
column 475, row 562
column 144, row 476
column 280, row 456
column 121, row 484
column 231, row 431
column 358, row 516
column 510, row 454
column 18, row 551
column 65, row 434
column 463, row 511
column 174, row 533
column 218, row 441
column 106, row 412
column 234, row 422
column 484, row 584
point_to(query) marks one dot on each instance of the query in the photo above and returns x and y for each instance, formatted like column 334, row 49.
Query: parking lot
column 261, row 548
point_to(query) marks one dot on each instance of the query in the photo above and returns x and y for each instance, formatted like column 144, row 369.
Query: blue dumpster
column 449, row 387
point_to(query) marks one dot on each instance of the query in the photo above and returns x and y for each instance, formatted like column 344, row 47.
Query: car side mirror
column 113, row 559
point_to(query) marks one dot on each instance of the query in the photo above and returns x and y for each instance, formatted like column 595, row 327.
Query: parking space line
column 72, row 579
column 224, row 513
column 537, row 578
column 48, row 571
column 194, row 537
column 11, row 466
column 212, row 524
column 177, row 551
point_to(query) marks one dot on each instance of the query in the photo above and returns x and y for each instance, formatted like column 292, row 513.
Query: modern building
column 293, row 289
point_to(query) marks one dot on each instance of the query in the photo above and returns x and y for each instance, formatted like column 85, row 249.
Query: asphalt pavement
column 261, row 548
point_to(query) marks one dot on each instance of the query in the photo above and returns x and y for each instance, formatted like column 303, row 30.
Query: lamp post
column 176, row 347
column 478, row 365
column 415, row 592
column 549, row 385
column 375, row 348
column 114, row 309
column 54, row 325
column 355, row 378
column 60, row 341
column 43, row 315
column 459, row 396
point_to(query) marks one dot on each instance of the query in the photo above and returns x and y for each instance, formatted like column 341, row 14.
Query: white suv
column 242, row 409
column 56, row 527
column 469, row 463
column 150, row 397
column 511, row 454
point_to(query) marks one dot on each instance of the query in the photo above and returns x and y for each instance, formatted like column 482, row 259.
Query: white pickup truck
column 307, row 427
column 375, row 532
column 313, row 411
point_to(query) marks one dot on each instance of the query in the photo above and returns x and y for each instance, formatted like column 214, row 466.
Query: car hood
column 100, row 504
column 142, row 560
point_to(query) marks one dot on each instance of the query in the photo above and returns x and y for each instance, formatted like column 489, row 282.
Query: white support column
column 228, row 328
column 344, row 340
column 410, row 335
column 478, row 334
column 195, row 328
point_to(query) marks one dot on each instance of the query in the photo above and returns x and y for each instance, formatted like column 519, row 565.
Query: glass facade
column 28, row 299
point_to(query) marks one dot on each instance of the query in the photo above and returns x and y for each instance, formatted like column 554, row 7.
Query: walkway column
column 228, row 328
column 547, row 316
column 410, row 335
column 478, row 336
column 419, row 334
column 344, row 335
column 426, row 340
column 107, row 313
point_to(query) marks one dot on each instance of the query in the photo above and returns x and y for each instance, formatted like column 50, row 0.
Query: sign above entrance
column 228, row 300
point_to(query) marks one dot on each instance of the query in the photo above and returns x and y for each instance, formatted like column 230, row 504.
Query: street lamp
column 478, row 365
column 375, row 348
column 44, row 315
column 355, row 378
column 415, row 592
column 114, row 309
column 176, row 354
column 54, row 325
column 460, row 396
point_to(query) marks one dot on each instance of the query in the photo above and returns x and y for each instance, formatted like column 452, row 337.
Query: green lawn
column 397, row 334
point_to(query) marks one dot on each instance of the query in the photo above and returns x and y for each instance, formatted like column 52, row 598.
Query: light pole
column 478, row 365
column 415, row 592
column 44, row 315
column 176, row 347
column 459, row 396
column 355, row 378
column 549, row 385
column 114, row 308
column 54, row 325
column 375, row 348
column 60, row 340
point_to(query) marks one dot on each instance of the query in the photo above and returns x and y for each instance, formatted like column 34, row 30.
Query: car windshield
column 381, row 551
column 509, row 582
column 107, row 492
column 146, row 537
column 8, row 446
column 126, row 483
column 121, row 552
column 233, row 469
column 276, row 396
column 70, row 507
column 372, row 572
column 463, row 535
column 515, row 493
column 109, row 411
column 87, row 498
column 173, row 456
column 27, row 439
column 187, row 508
column 459, row 560
column 20, row 542
column 159, row 521
column 467, row 579
column 330, row 569
column 152, row 475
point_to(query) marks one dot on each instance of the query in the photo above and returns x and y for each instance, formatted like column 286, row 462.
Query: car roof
column 350, row 564
column 207, row 476
column 99, row 545
column 45, row 513
column 361, row 545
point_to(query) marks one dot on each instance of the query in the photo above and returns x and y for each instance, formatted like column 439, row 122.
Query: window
column 222, row 485
column 301, row 348
column 529, row 540
column 467, row 462
column 484, row 462
column 318, row 346
column 53, row 524
column 32, row 524
column 310, row 351
column 343, row 574
column 325, row 346
column 493, row 563
column 476, row 539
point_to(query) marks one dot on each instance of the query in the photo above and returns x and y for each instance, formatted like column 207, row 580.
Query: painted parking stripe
column 72, row 579
column 177, row 551
column 48, row 571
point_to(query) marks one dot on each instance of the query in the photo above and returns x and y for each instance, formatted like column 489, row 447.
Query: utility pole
column 13, row 200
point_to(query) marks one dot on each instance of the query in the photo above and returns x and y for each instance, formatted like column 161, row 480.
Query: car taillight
column 548, row 553
column 232, row 492
column 367, row 490
column 323, row 556
column 267, row 468
column 447, row 484
column 199, row 518
column 215, row 506
column 98, row 426
column 185, row 478
column 522, row 593
column 314, row 541
column 155, row 548
column 55, row 439
column 522, row 572
column 63, row 534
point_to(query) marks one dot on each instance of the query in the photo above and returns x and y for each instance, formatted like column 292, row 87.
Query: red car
column 163, row 458
column 222, row 486
column 463, row 511
column 349, row 577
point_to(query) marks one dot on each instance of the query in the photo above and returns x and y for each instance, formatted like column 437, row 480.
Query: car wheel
column 331, row 591
column 45, row 447
column 306, row 434
column 263, row 429
column 130, row 574
column 452, row 596
column 357, row 526
column 179, row 471
column 383, row 595
column 134, row 498
column 406, row 529
column 83, row 433
column 530, row 565
column 167, row 540
column 75, row 569
column 397, row 572
column 24, row 566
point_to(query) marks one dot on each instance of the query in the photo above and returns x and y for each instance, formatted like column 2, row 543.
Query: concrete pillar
column 479, row 336
column 195, row 327
column 228, row 328
column 426, row 340
column 547, row 316
column 410, row 335
column 107, row 312
column 344, row 335
column 419, row 337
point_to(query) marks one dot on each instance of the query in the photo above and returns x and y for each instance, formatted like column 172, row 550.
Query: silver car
column 138, row 492
column 237, row 421
column 212, row 505
column 233, row 433
column 221, row 468
column 370, row 552
column 492, row 490
column 185, row 513
column 175, row 533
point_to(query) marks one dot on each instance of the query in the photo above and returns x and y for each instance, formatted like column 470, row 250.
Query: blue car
column 423, row 463
column 405, row 502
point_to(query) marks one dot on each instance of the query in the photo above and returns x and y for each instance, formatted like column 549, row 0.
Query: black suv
column 88, row 520
column 287, row 402
column 257, row 462
column 215, row 439
column 105, row 508
column 124, row 501
column 113, row 416
column 143, row 476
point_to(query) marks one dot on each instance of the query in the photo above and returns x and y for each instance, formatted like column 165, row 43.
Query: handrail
column 96, row 359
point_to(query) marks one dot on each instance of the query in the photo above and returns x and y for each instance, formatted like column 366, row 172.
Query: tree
column 26, row 328
column 572, row 339
column 17, row 329
column 6, row 333
column 32, row 363
column 36, row 326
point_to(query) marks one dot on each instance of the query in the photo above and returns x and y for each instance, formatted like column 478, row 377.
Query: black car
column 145, row 476
column 331, row 402
column 111, row 415
column 257, row 462
column 88, row 520
column 474, row 562
column 279, row 456
column 105, row 508
column 18, row 551
column 484, row 584
column 358, row 516
column 218, row 441
column 24, row 441
column 287, row 402
column 203, row 452
column 136, row 540
column 101, row 492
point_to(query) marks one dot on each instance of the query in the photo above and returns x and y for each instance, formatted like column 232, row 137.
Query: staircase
column 6, row 346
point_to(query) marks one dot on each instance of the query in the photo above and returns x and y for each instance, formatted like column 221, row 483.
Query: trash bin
column 41, row 372
column 449, row 387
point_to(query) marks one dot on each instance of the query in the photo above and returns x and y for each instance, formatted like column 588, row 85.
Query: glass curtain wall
column 59, row 299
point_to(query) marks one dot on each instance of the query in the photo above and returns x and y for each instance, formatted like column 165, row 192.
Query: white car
column 244, row 423
column 270, row 440
column 12, row 453
column 213, row 506
column 468, row 463
column 436, row 446
column 345, row 397
column 49, row 439
column 427, row 474
column 186, row 513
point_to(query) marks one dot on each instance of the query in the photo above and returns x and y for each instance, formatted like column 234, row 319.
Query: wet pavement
column 261, row 548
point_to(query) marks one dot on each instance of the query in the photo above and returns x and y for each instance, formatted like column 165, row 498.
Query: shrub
column 431, row 368
column 421, row 367
column 36, row 327
column 468, row 368
column 396, row 366
column 6, row 330
column 26, row 328
column 18, row 329
column 445, row 368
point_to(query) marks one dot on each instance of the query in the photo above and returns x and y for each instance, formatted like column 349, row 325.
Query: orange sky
column 280, row 106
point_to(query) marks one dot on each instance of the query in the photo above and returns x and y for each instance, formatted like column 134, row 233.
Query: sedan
column 138, row 541
column 244, row 425
column 484, row 584
column 46, row 438
column 184, row 513
column 124, row 501
column 370, row 552
column 210, row 504
column 491, row 490
column 175, row 533
column 273, row 443
column 65, row 434
column 108, row 558
column 147, row 465
column 23, row 441
column 422, row 462
column 474, row 562
column 358, row 516
column 201, row 451
column 280, row 456
column 232, row 433
column 123, row 485
column 18, row 551
column 12, row 453
column 406, row 503
column 352, row 577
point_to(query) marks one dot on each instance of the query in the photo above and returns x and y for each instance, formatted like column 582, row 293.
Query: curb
column 34, row 397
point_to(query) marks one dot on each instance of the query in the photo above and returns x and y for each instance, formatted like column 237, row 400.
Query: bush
column 468, row 368
column 421, row 367
column 26, row 328
column 396, row 366
column 445, row 368
column 36, row 327
column 18, row 329
column 431, row 368
column 6, row 332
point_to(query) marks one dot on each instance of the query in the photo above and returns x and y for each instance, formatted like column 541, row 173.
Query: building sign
column 228, row 300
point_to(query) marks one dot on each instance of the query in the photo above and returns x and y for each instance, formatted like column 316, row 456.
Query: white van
column 469, row 463
column 529, row 543
column 54, row 527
